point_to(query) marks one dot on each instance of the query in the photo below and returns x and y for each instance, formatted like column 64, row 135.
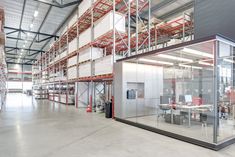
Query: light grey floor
column 50, row 130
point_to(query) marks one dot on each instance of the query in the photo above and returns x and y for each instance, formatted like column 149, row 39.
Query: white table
column 189, row 108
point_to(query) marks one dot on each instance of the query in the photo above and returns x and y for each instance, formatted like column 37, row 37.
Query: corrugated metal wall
column 214, row 16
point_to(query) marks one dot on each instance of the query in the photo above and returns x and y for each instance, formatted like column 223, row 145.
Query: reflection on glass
column 188, row 90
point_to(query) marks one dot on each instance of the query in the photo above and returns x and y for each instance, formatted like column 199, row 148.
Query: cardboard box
column 90, row 53
column 85, row 38
column 72, row 72
column 105, row 24
column 104, row 65
column 73, row 46
column 84, row 6
column 72, row 61
column 84, row 69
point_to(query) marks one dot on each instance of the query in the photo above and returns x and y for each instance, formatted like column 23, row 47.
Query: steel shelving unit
column 147, row 35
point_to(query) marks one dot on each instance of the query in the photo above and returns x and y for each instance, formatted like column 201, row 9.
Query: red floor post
column 89, row 107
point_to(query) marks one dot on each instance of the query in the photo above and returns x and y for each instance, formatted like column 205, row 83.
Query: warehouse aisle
column 45, row 129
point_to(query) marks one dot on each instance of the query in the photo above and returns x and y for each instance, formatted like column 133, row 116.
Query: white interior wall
column 151, row 76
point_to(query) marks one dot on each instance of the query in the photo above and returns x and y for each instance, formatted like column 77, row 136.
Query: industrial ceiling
column 31, row 25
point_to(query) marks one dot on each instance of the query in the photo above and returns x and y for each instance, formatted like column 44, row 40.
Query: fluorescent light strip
column 188, row 66
column 228, row 60
column 175, row 58
column 154, row 61
column 199, row 53
column 205, row 63
column 35, row 13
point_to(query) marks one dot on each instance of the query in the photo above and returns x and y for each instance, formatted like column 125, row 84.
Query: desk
column 189, row 108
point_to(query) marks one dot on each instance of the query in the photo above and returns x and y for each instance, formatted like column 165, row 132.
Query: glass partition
column 188, row 91
column 225, row 90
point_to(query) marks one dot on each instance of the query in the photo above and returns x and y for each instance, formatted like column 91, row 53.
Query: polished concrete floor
column 45, row 129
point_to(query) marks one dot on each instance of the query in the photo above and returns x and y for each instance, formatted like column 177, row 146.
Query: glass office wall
column 187, row 91
column 225, row 90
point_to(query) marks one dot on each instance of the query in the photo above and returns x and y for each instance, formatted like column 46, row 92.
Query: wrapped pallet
column 73, row 46
column 70, row 99
column 84, row 6
column 72, row 72
column 105, row 24
column 72, row 61
column 72, row 20
column 85, row 38
column 90, row 53
column 63, row 54
column 104, row 65
column 84, row 69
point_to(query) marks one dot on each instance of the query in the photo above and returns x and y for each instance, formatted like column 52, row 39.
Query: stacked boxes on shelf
column 105, row 24
column 90, row 53
column 85, row 69
column 104, row 65
column 84, row 6
column 73, row 46
column 89, row 61
column 85, row 38
column 45, row 76
column 85, row 59
column 72, row 61
column 72, row 67
column 72, row 73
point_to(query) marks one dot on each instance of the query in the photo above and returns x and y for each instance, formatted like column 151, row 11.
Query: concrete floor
column 43, row 129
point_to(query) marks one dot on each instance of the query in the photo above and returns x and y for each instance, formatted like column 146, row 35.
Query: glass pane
column 226, row 91
column 178, row 91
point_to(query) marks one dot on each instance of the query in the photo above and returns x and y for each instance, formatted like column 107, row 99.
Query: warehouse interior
column 95, row 77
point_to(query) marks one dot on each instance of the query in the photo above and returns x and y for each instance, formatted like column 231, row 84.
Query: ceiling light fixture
column 154, row 61
column 189, row 66
column 228, row 60
column 199, row 53
column 35, row 13
column 31, row 25
column 205, row 63
column 23, row 46
column 175, row 58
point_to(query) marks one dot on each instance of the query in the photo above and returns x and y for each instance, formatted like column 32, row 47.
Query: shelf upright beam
column 184, row 20
column 77, row 66
column 66, row 61
column 92, row 96
column 114, row 31
column 137, row 27
column 149, row 24
column 60, row 70
column 129, row 27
